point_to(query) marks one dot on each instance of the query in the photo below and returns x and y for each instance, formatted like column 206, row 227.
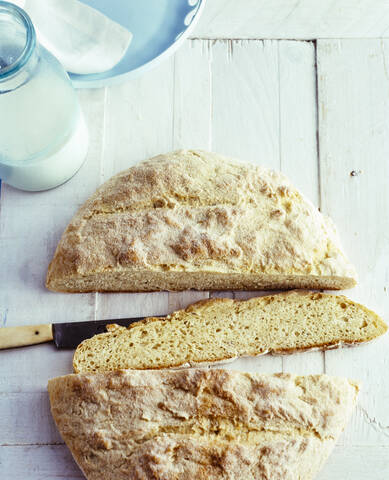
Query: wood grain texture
column 354, row 173
column 255, row 100
column 298, row 148
column 294, row 19
column 245, row 100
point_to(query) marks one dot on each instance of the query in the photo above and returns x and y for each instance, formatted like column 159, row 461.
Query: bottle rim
column 24, row 19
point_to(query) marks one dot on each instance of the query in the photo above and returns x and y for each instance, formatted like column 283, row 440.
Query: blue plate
column 158, row 26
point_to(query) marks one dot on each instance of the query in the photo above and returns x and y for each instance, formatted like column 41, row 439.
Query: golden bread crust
column 197, row 216
column 214, row 424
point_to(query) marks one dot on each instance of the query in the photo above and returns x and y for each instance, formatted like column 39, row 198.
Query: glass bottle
column 43, row 135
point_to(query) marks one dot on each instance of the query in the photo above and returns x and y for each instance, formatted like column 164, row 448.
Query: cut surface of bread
column 193, row 219
column 222, row 329
column 205, row 424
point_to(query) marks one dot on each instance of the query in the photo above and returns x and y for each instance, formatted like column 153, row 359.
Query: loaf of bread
column 219, row 330
column 200, row 424
column 196, row 220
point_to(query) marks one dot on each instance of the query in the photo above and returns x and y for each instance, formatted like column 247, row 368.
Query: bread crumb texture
column 222, row 329
column 193, row 219
column 204, row 424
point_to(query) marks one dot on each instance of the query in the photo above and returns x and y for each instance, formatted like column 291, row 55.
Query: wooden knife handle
column 11, row 337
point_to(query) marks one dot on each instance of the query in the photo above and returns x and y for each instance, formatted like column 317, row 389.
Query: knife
column 64, row 335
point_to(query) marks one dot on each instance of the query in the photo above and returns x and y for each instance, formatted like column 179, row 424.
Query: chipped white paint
column 253, row 99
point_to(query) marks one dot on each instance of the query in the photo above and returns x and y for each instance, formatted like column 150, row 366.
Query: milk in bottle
column 43, row 136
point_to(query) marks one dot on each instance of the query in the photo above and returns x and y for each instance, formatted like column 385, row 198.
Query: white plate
column 158, row 26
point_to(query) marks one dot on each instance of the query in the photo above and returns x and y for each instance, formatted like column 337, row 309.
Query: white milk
column 52, row 170
column 43, row 136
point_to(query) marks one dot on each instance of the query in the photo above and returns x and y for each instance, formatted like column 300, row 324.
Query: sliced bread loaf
column 222, row 329
column 192, row 219
column 199, row 424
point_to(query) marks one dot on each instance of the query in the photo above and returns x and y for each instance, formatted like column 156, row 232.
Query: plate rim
column 137, row 72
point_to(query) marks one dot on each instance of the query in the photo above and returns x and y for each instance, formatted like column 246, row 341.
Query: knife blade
column 64, row 335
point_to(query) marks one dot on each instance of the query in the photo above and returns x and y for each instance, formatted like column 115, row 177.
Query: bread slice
column 219, row 330
column 192, row 219
column 200, row 424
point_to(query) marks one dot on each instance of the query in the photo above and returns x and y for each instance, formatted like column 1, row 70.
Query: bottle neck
column 18, row 47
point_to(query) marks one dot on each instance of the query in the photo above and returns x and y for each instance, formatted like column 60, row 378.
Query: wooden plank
column 26, row 419
column 191, row 120
column 357, row 463
column 298, row 148
column 245, row 100
column 354, row 172
column 245, row 112
column 245, row 124
column 139, row 120
column 291, row 19
column 55, row 461
column 269, row 102
column 28, row 369
column 192, row 105
column 138, row 125
column 298, row 125
column 37, row 462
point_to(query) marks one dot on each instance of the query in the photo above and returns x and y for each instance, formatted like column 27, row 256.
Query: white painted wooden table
column 316, row 109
